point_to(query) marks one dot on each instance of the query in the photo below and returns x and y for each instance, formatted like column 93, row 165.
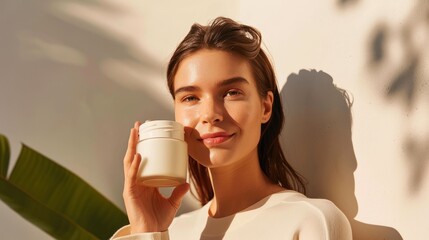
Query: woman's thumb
column 178, row 194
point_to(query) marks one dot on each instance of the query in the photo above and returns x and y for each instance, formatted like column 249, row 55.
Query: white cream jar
column 164, row 153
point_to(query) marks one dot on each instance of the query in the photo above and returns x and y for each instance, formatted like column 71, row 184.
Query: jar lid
column 161, row 129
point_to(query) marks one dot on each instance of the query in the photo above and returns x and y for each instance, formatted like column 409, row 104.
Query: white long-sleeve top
column 284, row 215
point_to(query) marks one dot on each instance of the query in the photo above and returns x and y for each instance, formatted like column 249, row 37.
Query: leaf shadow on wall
column 405, row 78
column 56, row 81
column 317, row 139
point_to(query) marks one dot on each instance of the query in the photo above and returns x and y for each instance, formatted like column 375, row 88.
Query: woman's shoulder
column 289, row 198
column 312, row 215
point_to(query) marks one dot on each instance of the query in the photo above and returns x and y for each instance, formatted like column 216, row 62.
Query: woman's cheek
column 182, row 113
column 239, row 111
column 184, row 118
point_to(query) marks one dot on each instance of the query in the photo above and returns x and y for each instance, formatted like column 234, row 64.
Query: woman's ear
column 267, row 107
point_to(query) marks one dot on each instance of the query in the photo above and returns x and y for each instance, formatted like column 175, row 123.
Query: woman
column 225, row 94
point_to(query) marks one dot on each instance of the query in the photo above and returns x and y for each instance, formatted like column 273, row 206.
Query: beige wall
column 74, row 75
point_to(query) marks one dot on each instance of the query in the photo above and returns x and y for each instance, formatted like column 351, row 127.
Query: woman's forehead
column 211, row 65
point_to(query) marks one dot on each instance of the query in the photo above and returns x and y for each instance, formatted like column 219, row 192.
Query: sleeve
column 327, row 223
column 124, row 234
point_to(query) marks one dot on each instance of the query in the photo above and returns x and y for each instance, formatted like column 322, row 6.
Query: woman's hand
column 147, row 209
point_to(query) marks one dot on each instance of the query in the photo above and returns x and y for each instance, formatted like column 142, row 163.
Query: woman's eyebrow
column 226, row 82
column 233, row 80
column 186, row 89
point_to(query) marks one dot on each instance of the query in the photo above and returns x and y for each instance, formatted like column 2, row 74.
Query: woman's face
column 217, row 101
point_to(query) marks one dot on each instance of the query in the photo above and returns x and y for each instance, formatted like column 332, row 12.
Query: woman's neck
column 238, row 186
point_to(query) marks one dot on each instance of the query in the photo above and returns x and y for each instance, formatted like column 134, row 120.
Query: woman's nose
column 212, row 111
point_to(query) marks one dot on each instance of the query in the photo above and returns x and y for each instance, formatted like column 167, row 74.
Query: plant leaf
column 57, row 200
column 53, row 223
column 4, row 155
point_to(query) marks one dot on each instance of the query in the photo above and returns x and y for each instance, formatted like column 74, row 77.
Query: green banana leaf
column 55, row 199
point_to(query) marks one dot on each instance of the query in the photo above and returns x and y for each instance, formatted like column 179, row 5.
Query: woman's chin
column 212, row 162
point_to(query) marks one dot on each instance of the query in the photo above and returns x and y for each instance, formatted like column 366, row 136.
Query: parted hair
column 228, row 35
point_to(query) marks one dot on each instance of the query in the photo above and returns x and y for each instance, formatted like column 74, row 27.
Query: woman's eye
column 189, row 99
column 232, row 93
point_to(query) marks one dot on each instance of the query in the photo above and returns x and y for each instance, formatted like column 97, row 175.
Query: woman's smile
column 214, row 139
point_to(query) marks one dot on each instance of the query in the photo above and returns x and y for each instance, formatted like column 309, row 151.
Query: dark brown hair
column 227, row 35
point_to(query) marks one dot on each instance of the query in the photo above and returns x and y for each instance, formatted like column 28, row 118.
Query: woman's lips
column 212, row 139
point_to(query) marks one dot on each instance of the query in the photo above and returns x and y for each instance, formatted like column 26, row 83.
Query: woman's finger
column 134, row 168
column 136, row 127
column 131, row 150
column 178, row 194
